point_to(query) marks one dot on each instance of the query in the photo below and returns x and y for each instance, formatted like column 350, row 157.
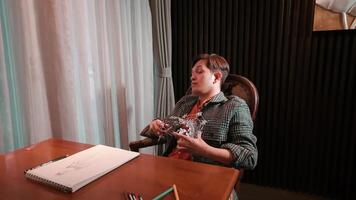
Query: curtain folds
column 162, row 38
column 78, row 70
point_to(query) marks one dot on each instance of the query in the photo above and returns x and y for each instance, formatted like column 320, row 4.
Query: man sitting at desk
column 226, row 138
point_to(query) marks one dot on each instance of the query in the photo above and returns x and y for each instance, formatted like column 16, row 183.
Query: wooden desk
column 148, row 175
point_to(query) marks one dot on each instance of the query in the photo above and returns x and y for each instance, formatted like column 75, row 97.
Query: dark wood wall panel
column 306, row 81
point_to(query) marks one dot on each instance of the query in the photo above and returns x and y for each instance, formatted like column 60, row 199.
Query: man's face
column 202, row 78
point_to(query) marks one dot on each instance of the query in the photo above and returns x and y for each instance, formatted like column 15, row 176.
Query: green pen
column 163, row 194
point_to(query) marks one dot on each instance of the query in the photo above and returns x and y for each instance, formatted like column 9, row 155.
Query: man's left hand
column 192, row 145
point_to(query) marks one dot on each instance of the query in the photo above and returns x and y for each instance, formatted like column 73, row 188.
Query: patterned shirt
column 229, row 126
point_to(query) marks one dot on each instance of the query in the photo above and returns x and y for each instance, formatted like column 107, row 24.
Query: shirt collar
column 220, row 97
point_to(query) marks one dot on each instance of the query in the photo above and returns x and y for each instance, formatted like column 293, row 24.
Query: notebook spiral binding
column 48, row 182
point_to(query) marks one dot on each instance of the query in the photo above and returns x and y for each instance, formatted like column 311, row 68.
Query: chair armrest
column 238, row 182
column 136, row 145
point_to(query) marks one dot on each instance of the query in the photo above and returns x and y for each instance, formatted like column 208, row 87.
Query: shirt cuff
column 244, row 158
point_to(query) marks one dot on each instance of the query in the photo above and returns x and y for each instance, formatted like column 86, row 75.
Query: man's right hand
column 158, row 127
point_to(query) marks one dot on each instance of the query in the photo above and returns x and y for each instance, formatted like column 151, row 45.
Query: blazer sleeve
column 241, row 141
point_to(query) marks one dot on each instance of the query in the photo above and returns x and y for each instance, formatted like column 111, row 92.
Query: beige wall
column 328, row 20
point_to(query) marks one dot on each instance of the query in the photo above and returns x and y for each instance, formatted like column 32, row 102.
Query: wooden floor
column 254, row 192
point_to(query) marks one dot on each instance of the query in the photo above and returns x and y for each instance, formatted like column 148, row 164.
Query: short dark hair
column 214, row 63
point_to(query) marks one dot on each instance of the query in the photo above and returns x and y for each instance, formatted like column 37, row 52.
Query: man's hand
column 192, row 145
column 159, row 127
column 199, row 147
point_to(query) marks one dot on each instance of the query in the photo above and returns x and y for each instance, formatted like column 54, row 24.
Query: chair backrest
column 242, row 87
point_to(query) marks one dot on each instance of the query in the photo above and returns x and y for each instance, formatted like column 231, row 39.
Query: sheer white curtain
column 80, row 70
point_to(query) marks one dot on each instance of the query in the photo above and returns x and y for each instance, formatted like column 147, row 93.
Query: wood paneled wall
column 306, row 80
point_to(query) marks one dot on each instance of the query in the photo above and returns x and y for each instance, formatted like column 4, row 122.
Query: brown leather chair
column 234, row 85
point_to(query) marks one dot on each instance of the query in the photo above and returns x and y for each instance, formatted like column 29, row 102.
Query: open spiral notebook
column 75, row 171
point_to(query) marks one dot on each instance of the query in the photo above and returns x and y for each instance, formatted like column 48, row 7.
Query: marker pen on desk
column 54, row 160
column 160, row 196
column 175, row 192
column 131, row 196
column 46, row 163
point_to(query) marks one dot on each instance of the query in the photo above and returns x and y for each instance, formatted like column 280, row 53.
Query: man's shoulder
column 235, row 100
column 238, row 106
